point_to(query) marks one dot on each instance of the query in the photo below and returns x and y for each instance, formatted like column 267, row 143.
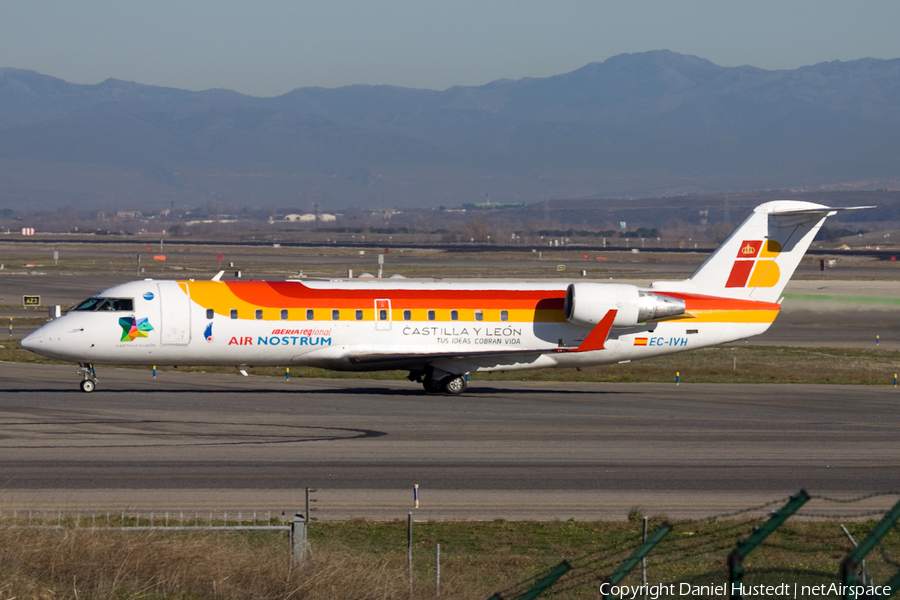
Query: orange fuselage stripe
column 522, row 306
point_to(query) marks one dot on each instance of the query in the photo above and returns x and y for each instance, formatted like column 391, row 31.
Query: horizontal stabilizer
column 825, row 210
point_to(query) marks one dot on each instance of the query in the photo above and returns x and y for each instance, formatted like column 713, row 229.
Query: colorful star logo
column 134, row 328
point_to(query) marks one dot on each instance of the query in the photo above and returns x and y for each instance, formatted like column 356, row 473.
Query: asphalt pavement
column 502, row 450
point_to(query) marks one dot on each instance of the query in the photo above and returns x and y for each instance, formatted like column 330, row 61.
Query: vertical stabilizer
column 758, row 259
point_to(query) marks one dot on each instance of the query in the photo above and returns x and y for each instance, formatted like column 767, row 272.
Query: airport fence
column 797, row 547
column 256, row 521
column 773, row 558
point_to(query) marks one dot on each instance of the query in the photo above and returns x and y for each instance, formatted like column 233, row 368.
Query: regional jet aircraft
column 440, row 332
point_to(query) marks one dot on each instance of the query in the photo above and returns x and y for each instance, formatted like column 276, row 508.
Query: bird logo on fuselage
column 207, row 333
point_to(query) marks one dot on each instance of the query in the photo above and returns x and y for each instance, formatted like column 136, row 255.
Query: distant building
column 309, row 218
column 128, row 214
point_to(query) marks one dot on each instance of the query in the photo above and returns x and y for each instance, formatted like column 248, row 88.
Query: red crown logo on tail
column 749, row 248
column 747, row 271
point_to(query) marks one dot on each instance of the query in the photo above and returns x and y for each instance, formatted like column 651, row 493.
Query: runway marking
column 709, row 419
column 237, row 439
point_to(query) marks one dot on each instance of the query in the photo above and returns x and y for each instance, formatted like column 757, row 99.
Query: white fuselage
column 216, row 323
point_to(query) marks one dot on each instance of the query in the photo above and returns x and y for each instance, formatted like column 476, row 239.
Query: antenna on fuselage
column 218, row 276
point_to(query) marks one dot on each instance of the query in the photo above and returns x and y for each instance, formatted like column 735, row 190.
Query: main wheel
column 432, row 385
column 455, row 384
column 87, row 386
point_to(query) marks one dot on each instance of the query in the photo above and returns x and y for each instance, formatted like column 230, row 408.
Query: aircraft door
column 175, row 313
column 383, row 315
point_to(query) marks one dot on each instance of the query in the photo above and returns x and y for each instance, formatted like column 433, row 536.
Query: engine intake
column 587, row 303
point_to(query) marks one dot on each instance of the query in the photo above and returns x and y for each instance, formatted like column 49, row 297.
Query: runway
column 503, row 450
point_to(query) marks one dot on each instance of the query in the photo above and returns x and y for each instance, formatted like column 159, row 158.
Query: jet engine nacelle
column 587, row 303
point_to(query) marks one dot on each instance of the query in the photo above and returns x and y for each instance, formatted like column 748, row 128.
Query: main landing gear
column 89, row 381
column 454, row 384
column 438, row 383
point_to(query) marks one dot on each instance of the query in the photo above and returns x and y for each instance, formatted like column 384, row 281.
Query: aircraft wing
column 360, row 358
column 595, row 340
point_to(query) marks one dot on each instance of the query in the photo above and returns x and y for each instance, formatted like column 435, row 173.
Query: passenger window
column 382, row 315
column 210, row 313
column 454, row 315
column 504, row 316
column 284, row 314
column 335, row 315
column 234, row 313
column 358, row 315
column 407, row 315
column 258, row 314
column 310, row 315
column 479, row 316
column 431, row 315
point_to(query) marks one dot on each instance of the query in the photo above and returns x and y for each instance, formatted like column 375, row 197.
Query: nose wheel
column 89, row 379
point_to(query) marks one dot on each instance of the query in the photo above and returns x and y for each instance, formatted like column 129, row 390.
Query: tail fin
column 758, row 259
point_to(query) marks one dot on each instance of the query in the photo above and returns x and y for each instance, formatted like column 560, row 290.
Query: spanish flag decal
column 755, row 265
column 640, row 341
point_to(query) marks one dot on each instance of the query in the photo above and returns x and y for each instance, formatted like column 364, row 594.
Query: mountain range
column 636, row 125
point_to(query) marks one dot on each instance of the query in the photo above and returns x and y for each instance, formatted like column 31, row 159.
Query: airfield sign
column 31, row 300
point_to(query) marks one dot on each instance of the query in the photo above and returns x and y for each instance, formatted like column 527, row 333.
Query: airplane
column 440, row 331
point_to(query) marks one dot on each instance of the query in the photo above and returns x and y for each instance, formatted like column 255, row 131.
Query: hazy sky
column 266, row 48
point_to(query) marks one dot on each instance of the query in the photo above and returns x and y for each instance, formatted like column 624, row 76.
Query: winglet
column 218, row 276
column 596, row 339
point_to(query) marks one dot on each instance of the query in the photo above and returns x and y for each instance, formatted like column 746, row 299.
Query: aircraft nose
column 32, row 340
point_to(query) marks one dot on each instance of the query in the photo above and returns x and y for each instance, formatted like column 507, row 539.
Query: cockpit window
column 107, row 304
column 120, row 304
column 90, row 304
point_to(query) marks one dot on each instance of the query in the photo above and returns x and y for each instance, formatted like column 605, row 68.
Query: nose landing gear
column 89, row 381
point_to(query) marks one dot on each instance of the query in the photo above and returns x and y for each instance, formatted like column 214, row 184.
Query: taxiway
column 503, row 450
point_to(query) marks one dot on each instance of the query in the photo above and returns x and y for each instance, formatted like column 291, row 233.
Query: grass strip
column 721, row 364
column 843, row 299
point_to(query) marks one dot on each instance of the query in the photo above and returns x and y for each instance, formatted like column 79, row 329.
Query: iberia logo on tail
column 755, row 265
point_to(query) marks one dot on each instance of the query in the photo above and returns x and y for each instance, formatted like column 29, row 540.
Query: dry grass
column 93, row 563
column 367, row 560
